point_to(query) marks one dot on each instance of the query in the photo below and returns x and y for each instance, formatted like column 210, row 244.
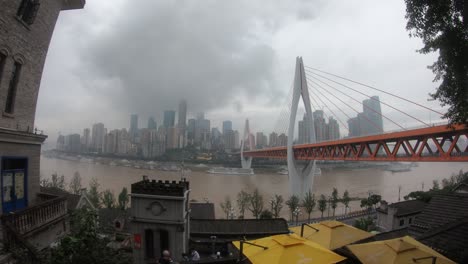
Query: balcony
column 34, row 228
column 25, row 222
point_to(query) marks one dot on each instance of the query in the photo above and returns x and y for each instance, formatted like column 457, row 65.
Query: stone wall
column 27, row 44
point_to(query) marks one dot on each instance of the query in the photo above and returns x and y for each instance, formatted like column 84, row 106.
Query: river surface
column 215, row 187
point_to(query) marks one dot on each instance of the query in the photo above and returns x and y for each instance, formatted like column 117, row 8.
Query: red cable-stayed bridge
column 441, row 143
column 435, row 144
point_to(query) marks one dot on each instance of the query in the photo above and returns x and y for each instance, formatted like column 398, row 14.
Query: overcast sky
column 230, row 59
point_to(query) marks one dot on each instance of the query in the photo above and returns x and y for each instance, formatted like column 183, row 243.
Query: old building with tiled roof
column 398, row 215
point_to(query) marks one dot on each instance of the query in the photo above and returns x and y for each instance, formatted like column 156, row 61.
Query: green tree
column 226, row 206
column 123, row 199
column 266, row 214
column 365, row 203
column 84, row 245
column 374, row 199
column 256, row 204
column 75, row 183
column 93, row 194
column 293, row 204
column 309, row 204
column 55, row 182
column 334, row 200
column 243, row 200
column 345, row 200
column 364, row 223
column 108, row 199
column 435, row 185
column 443, row 28
column 276, row 205
column 322, row 204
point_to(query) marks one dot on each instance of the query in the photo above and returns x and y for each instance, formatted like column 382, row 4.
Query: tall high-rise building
column 133, row 126
column 282, row 140
column 152, row 123
column 86, row 139
column 369, row 121
column 169, row 118
column 320, row 126
column 227, row 125
column 303, row 131
column 373, row 114
column 98, row 134
column 333, row 129
column 273, row 140
column 261, row 140
column 191, row 131
column 182, row 124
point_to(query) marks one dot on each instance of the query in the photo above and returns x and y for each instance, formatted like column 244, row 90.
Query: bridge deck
column 434, row 144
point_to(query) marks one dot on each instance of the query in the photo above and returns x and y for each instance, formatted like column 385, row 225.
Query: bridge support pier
column 300, row 180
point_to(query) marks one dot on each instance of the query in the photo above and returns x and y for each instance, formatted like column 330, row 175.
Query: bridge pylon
column 300, row 179
column 246, row 162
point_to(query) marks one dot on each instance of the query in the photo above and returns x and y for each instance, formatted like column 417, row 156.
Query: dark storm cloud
column 207, row 52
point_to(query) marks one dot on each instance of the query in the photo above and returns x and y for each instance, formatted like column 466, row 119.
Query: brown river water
column 215, row 187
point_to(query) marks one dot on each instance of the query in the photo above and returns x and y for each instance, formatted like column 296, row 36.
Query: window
column 10, row 101
column 3, row 58
column 410, row 221
column 402, row 222
column 28, row 11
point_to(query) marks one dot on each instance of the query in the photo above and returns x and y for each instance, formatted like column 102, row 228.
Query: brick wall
column 28, row 43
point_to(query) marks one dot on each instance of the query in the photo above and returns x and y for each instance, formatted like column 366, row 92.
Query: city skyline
column 253, row 75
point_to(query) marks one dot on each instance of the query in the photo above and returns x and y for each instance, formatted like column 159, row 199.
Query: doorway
column 14, row 183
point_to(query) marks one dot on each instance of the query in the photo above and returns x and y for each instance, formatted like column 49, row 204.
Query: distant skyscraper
column 261, row 140
column 182, row 124
column 369, row 121
column 373, row 114
column 333, row 129
column 169, row 118
column 191, row 131
column 273, row 140
column 133, row 126
column 303, row 131
column 152, row 123
column 282, row 140
column 320, row 126
column 98, row 134
column 86, row 139
column 227, row 125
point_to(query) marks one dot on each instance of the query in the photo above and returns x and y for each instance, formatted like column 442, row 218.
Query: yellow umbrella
column 288, row 248
column 398, row 250
column 331, row 234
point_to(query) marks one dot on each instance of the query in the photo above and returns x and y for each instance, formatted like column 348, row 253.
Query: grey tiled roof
column 406, row 207
column 237, row 229
column 450, row 240
column 202, row 211
column 72, row 199
column 442, row 210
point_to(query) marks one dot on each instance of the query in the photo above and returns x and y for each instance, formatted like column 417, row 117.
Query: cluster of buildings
column 369, row 121
column 153, row 141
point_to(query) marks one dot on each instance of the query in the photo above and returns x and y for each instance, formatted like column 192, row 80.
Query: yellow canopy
column 332, row 234
column 395, row 251
column 289, row 249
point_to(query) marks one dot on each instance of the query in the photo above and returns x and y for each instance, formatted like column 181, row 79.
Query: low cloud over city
column 232, row 60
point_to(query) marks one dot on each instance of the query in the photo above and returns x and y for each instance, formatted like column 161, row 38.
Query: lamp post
column 296, row 214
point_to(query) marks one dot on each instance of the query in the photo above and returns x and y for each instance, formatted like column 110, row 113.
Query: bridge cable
column 367, row 107
column 333, row 113
column 374, row 88
column 403, row 112
column 375, row 125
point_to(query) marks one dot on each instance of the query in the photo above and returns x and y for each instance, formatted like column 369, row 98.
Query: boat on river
column 231, row 171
